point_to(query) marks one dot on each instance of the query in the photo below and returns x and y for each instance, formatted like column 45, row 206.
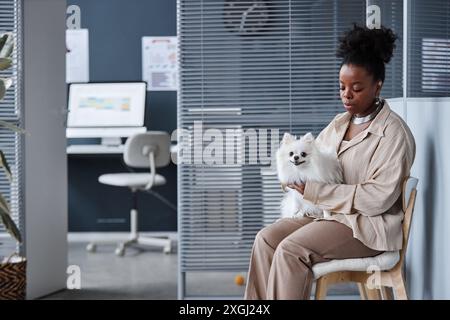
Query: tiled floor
column 150, row 275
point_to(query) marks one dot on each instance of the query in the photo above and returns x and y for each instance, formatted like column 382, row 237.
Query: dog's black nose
column 296, row 158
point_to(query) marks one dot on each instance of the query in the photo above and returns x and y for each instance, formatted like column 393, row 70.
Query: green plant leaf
column 5, row 165
column 7, row 45
column 6, row 49
column 5, row 63
column 3, row 203
column 10, row 126
column 5, row 83
column 9, row 224
column 3, row 39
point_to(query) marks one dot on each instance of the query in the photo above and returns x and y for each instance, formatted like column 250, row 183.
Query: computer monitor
column 106, row 110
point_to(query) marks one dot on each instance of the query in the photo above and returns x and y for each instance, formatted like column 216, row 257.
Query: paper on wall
column 77, row 55
column 159, row 63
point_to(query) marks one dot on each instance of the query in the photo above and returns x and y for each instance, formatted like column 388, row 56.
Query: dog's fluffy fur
column 302, row 160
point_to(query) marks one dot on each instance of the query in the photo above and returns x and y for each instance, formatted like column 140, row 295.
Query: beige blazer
column 374, row 162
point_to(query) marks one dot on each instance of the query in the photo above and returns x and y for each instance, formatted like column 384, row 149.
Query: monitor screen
column 117, row 104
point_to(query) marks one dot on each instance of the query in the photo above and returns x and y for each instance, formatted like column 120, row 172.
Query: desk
column 94, row 149
column 102, row 149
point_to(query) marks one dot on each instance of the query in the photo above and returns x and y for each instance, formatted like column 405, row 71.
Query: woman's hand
column 300, row 187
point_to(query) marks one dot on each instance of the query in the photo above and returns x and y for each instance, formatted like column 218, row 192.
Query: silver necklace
column 371, row 116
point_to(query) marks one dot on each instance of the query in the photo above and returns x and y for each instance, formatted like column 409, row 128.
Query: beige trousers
column 284, row 252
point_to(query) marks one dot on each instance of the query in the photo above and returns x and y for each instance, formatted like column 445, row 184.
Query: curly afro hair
column 368, row 48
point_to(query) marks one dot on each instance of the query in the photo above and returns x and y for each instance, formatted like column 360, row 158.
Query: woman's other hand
column 300, row 187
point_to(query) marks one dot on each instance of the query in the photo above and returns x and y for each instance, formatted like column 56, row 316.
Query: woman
column 376, row 150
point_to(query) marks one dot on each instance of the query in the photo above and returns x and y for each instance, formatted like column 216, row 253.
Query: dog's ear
column 308, row 137
column 287, row 138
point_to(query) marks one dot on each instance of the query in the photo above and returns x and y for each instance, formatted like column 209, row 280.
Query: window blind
column 251, row 66
column 392, row 17
column 10, row 142
column 429, row 49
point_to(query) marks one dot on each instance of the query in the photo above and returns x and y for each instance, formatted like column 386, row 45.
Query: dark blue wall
column 115, row 31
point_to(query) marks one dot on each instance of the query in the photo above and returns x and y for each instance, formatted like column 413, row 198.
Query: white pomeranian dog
column 299, row 161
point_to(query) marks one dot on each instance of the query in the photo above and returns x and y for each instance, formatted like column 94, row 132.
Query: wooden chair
column 355, row 270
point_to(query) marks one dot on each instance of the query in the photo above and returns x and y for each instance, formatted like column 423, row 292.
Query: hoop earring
column 377, row 101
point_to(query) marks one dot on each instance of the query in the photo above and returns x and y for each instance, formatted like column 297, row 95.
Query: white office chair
column 142, row 150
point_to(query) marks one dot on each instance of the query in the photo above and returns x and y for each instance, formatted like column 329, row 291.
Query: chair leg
column 400, row 293
column 134, row 224
column 134, row 234
column 158, row 242
column 362, row 291
column 321, row 288
column 386, row 293
column 373, row 294
column 399, row 288
column 91, row 247
column 120, row 250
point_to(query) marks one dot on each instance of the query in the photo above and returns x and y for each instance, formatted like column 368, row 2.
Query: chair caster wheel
column 91, row 247
column 167, row 250
column 120, row 251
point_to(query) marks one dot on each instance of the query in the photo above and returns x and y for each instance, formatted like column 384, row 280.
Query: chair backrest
column 409, row 192
column 138, row 147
